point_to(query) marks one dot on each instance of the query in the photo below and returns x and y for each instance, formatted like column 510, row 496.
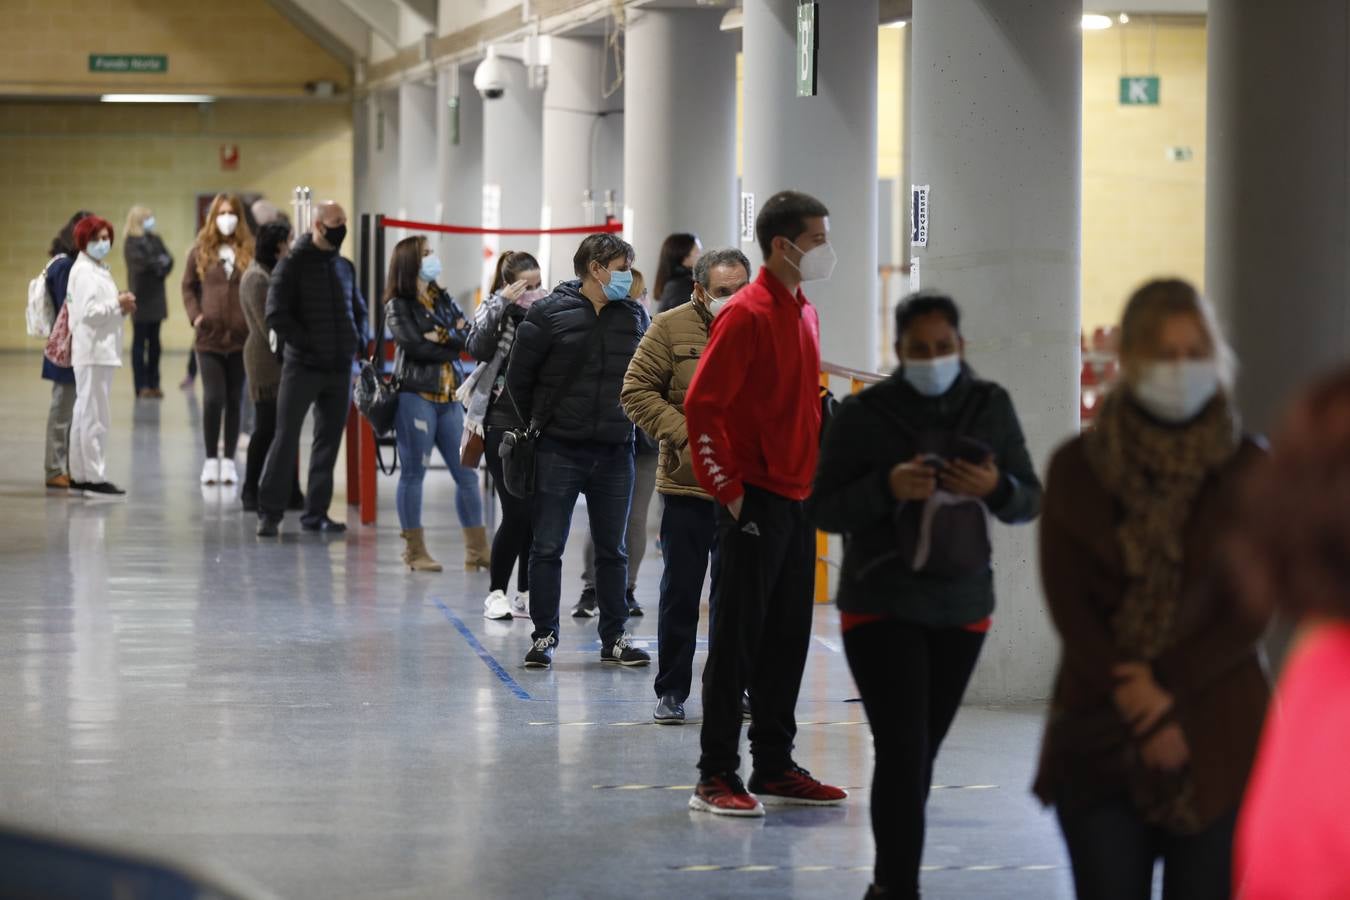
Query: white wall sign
column 914, row 280
column 492, row 218
column 918, row 215
column 628, row 224
column 747, row 217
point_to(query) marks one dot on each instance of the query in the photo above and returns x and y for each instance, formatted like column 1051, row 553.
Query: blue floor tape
column 487, row 658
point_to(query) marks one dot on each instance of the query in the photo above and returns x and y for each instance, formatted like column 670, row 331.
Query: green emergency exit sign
column 1140, row 90
column 128, row 63
column 807, row 39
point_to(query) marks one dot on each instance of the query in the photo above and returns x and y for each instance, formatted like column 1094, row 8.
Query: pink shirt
column 1293, row 840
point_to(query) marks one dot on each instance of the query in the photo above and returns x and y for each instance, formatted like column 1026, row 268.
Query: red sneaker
column 796, row 787
column 725, row 795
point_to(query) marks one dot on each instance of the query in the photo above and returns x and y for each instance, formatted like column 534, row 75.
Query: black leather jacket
column 418, row 362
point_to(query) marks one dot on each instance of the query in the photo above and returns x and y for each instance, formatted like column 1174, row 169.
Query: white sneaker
column 496, row 606
column 228, row 473
column 520, row 605
column 211, row 472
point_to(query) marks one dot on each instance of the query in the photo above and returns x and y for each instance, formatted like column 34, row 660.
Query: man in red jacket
column 753, row 413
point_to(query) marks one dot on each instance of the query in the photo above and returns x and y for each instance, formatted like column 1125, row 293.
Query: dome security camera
column 489, row 79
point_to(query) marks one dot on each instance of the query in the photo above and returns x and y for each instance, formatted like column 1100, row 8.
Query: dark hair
column 270, row 237
column 1291, row 547
column 784, row 215
column 509, row 266
column 64, row 242
column 601, row 248
column 405, row 265
column 916, row 306
column 88, row 228
column 723, row 256
column 673, row 251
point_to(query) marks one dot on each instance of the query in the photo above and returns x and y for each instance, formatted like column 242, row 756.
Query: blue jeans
column 689, row 542
column 563, row 472
column 420, row 427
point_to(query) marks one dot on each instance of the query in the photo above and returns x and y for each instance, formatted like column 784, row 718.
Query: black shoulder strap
column 541, row 418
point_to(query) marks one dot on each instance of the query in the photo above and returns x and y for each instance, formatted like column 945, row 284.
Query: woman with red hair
column 96, row 313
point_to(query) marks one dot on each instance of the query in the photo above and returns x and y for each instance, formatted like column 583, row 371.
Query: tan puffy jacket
column 654, row 389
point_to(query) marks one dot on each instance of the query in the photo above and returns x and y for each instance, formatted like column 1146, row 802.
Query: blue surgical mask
column 98, row 249
column 933, row 377
column 431, row 267
column 620, row 283
column 149, row 223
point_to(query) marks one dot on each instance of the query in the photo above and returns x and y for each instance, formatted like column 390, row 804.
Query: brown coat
column 1212, row 670
column 215, row 298
column 654, row 387
column 260, row 363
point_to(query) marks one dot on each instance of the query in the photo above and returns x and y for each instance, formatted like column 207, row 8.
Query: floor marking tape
column 487, row 658
column 704, row 868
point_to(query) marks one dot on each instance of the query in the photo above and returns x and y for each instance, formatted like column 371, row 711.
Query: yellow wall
column 57, row 158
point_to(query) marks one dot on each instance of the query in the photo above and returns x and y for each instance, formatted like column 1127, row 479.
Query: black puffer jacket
column 418, row 362
column 586, row 408
column 315, row 309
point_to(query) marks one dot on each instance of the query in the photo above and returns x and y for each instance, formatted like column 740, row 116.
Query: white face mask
column 226, row 223
column 817, row 264
column 715, row 304
column 1176, row 392
column 933, row 377
column 148, row 224
column 98, row 249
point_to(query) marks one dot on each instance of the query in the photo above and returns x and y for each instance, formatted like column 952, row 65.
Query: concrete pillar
column 997, row 129
column 417, row 151
column 459, row 183
column 384, row 141
column 679, row 130
column 1278, row 193
column 825, row 145
column 513, row 161
column 572, row 107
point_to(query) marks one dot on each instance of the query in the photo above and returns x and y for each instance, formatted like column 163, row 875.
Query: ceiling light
column 733, row 20
column 1094, row 22
column 900, row 24
column 1124, row 18
column 158, row 98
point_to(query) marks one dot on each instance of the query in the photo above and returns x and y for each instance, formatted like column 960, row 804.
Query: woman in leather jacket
column 429, row 332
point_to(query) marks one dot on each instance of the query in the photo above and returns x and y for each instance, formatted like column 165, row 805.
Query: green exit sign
column 1140, row 90
column 128, row 63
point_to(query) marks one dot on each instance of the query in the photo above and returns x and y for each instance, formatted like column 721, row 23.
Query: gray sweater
column 260, row 364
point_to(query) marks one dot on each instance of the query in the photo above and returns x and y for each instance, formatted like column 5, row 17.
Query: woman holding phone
column 910, row 470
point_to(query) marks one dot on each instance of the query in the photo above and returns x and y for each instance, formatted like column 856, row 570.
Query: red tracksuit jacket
column 753, row 408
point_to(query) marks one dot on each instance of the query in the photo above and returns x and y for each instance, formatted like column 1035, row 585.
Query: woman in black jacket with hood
column 429, row 331
column 910, row 471
column 674, row 284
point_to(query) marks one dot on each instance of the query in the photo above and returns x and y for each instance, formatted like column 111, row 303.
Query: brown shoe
column 415, row 553
column 59, row 483
column 476, row 552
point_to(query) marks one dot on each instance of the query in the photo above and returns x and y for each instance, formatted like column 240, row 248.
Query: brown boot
column 415, row 552
column 476, row 553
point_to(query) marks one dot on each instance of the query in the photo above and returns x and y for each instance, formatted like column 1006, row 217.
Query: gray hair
column 726, row 256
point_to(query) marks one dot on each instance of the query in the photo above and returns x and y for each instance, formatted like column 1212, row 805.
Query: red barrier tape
column 610, row 227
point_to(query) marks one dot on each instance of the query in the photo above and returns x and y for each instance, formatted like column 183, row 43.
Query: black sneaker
column 745, row 707
column 634, row 609
column 587, row 607
column 103, row 489
column 669, row 711
column 623, row 653
column 269, row 526
column 541, row 654
column 323, row 526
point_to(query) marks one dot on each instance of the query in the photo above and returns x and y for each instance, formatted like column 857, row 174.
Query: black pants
column 222, row 394
column 145, row 356
column 688, row 538
column 760, row 634
column 330, row 395
column 911, row 679
column 511, row 543
column 1113, row 851
column 264, row 430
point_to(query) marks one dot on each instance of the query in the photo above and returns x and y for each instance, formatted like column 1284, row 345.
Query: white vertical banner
column 546, row 245
column 747, row 217
column 915, row 282
column 918, row 215
column 492, row 218
column 628, row 224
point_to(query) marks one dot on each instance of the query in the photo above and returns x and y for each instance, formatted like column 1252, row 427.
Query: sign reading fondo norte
column 138, row 63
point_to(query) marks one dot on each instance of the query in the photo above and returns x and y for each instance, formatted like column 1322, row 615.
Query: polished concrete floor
column 309, row 716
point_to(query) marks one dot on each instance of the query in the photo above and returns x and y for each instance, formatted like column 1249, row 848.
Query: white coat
column 95, row 315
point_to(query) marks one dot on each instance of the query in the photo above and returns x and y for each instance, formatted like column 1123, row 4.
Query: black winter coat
column 418, row 362
column 677, row 290
column 852, row 494
column 586, row 408
column 315, row 309
column 148, row 264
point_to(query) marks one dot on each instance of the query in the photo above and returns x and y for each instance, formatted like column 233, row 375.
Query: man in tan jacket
column 653, row 397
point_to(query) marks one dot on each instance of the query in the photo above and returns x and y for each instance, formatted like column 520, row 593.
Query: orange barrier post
column 367, row 453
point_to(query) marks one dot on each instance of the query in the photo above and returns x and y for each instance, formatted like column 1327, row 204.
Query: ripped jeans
column 421, row 427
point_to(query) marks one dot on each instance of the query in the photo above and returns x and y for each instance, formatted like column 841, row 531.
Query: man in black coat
column 565, row 375
column 316, row 311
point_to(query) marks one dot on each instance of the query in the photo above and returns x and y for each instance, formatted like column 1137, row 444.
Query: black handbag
column 376, row 398
column 520, row 445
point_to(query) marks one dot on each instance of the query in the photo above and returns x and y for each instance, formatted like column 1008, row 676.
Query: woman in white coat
column 96, row 313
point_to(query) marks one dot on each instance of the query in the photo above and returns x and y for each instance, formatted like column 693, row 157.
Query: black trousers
column 761, row 632
column 145, row 351
column 688, row 539
column 264, row 430
column 329, row 393
column 1113, row 851
column 515, row 534
column 911, row 678
column 222, row 396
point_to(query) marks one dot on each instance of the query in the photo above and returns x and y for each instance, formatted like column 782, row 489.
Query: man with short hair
column 754, row 422
column 316, row 311
column 653, row 396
